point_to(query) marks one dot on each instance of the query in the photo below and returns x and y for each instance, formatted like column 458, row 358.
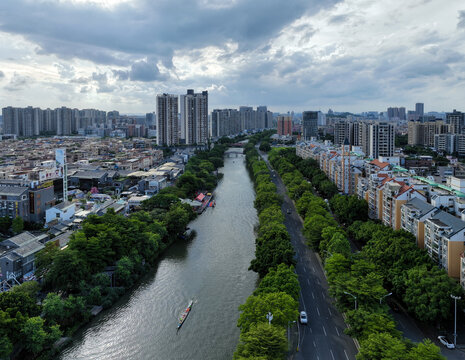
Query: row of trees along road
column 75, row 279
column 278, row 290
column 390, row 261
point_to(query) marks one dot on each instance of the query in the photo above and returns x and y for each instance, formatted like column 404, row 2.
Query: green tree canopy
column 281, row 305
column 262, row 341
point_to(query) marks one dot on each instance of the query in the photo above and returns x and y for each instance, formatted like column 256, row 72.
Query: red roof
column 200, row 197
column 379, row 164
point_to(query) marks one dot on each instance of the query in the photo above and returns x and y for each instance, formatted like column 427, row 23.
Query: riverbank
column 212, row 269
column 103, row 260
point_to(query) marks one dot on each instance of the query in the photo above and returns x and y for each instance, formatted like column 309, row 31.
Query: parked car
column 303, row 317
column 446, row 342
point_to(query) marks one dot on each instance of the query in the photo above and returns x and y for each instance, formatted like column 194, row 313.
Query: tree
column 262, row 341
column 53, row 309
column 425, row 350
column 281, row 305
column 29, row 288
column 382, row 346
column 176, row 220
column 17, row 225
column 363, row 323
column 67, row 270
column 123, row 273
column 6, row 347
column 280, row 279
column 265, row 146
column 162, row 201
column 313, row 227
column 271, row 253
column 427, row 293
column 34, row 334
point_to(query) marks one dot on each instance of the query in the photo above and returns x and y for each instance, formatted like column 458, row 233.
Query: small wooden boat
column 184, row 314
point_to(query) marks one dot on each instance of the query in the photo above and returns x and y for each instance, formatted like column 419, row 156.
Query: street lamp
column 269, row 316
column 289, row 333
column 382, row 297
column 348, row 293
column 455, row 318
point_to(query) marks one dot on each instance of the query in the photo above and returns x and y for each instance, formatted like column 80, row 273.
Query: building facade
column 167, row 120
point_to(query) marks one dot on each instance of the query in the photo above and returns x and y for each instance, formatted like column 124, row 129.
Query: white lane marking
column 308, row 282
column 346, row 354
column 314, row 344
column 313, row 268
column 331, row 351
column 313, row 296
column 305, row 270
column 311, row 331
column 318, row 311
column 337, row 331
column 317, row 357
column 330, row 313
column 324, row 330
column 302, row 297
column 323, row 294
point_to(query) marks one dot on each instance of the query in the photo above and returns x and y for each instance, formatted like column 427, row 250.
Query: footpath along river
column 212, row 269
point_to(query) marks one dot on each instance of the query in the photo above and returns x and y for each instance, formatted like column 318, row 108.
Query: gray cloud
column 338, row 19
column 2, row 74
column 150, row 28
column 18, row 82
column 145, row 71
column 461, row 23
column 121, row 74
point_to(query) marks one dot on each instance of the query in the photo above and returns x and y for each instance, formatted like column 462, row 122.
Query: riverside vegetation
column 390, row 261
column 75, row 279
column 278, row 290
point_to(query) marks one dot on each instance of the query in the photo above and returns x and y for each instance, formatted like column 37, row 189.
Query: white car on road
column 303, row 317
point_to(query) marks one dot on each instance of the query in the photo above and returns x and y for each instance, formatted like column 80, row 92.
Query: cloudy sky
column 348, row 55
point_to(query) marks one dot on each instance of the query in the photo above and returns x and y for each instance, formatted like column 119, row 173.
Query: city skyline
column 352, row 55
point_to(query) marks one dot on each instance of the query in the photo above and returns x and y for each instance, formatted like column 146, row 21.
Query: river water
column 212, row 269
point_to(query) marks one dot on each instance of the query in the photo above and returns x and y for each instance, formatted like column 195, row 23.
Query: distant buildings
column 309, row 125
column 284, row 125
column 225, row 122
column 167, row 120
column 29, row 121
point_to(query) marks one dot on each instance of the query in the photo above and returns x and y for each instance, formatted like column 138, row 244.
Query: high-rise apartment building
column 343, row 130
column 225, row 122
column 194, row 117
column 420, row 109
column 456, row 121
column 285, row 125
column 381, row 140
column 167, row 120
column 309, row 125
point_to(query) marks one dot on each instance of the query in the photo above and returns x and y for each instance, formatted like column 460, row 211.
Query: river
column 212, row 269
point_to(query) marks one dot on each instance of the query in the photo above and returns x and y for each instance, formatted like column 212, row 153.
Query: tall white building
column 167, row 120
column 194, row 117
column 381, row 140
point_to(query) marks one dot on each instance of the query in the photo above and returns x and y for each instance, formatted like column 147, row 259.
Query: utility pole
column 455, row 318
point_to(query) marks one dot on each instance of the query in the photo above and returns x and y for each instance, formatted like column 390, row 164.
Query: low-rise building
column 62, row 212
column 18, row 255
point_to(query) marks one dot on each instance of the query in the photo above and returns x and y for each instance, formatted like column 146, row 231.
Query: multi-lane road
column 323, row 337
